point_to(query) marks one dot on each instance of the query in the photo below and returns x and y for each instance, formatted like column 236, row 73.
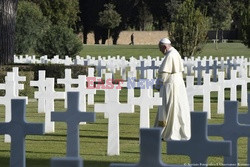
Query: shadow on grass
column 4, row 162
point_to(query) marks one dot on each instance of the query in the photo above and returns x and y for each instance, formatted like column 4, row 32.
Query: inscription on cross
column 18, row 128
column 230, row 129
column 198, row 148
column 72, row 117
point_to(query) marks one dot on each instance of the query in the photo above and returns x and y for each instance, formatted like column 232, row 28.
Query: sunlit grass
column 93, row 138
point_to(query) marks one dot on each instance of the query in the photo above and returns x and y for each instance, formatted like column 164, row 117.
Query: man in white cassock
column 174, row 113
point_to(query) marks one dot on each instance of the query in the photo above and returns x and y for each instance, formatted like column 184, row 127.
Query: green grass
column 93, row 138
column 225, row 49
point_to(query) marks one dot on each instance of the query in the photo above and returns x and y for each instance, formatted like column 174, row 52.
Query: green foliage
column 109, row 18
column 245, row 21
column 145, row 17
column 189, row 30
column 57, row 70
column 59, row 40
column 30, row 25
column 222, row 14
column 60, row 12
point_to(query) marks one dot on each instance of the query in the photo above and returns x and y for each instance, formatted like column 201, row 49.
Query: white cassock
column 174, row 114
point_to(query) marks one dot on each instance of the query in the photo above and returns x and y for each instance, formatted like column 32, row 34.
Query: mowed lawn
column 93, row 136
column 224, row 50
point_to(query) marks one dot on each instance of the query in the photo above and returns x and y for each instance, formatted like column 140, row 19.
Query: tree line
column 31, row 24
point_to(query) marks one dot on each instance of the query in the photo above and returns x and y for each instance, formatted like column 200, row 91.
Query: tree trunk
column 108, row 35
column 216, row 39
column 8, row 10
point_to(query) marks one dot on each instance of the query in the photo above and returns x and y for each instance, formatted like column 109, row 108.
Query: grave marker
column 199, row 148
column 150, row 148
column 17, row 79
column 10, row 93
column 215, row 68
column 72, row 117
column 244, row 118
column 67, row 81
column 192, row 90
column 230, row 130
column 113, row 108
column 142, row 69
column 91, row 95
column 40, row 83
column 145, row 101
column 18, row 128
column 50, row 95
column 208, row 87
column 99, row 68
column 199, row 70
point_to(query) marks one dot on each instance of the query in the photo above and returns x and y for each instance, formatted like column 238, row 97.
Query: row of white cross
column 112, row 107
column 192, row 65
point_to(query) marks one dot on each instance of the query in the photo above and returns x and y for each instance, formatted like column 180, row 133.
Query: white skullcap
column 165, row 41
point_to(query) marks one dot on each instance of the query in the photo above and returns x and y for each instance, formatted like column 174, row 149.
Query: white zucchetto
column 165, row 41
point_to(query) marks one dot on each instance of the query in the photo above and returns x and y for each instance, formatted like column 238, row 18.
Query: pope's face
column 162, row 48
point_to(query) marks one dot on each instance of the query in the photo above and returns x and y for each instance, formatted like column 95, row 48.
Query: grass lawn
column 93, row 137
column 225, row 50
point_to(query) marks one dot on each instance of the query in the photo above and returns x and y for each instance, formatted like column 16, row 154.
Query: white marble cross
column 215, row 68
column 67, row 81
column 150, row 147
column 81, row 88
column 145, row 101
column 72, row 117
column 113, row 108
column 244, row 87
column 18, row 128
column 123, row 65
column 50, row 95
column 199, row 147
column 230, row 130
column 189, row 64
column 236, row 81
column 111, row 65
column 17, row 79
column 199, row 70
column 208, row 87
column 10, row 93
column 104, row 87
column 154, row 67
column 40, row 83
column 142, row 69
column 99, row 68
column 232, row 84
column 91, row 95
column 192, row 90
